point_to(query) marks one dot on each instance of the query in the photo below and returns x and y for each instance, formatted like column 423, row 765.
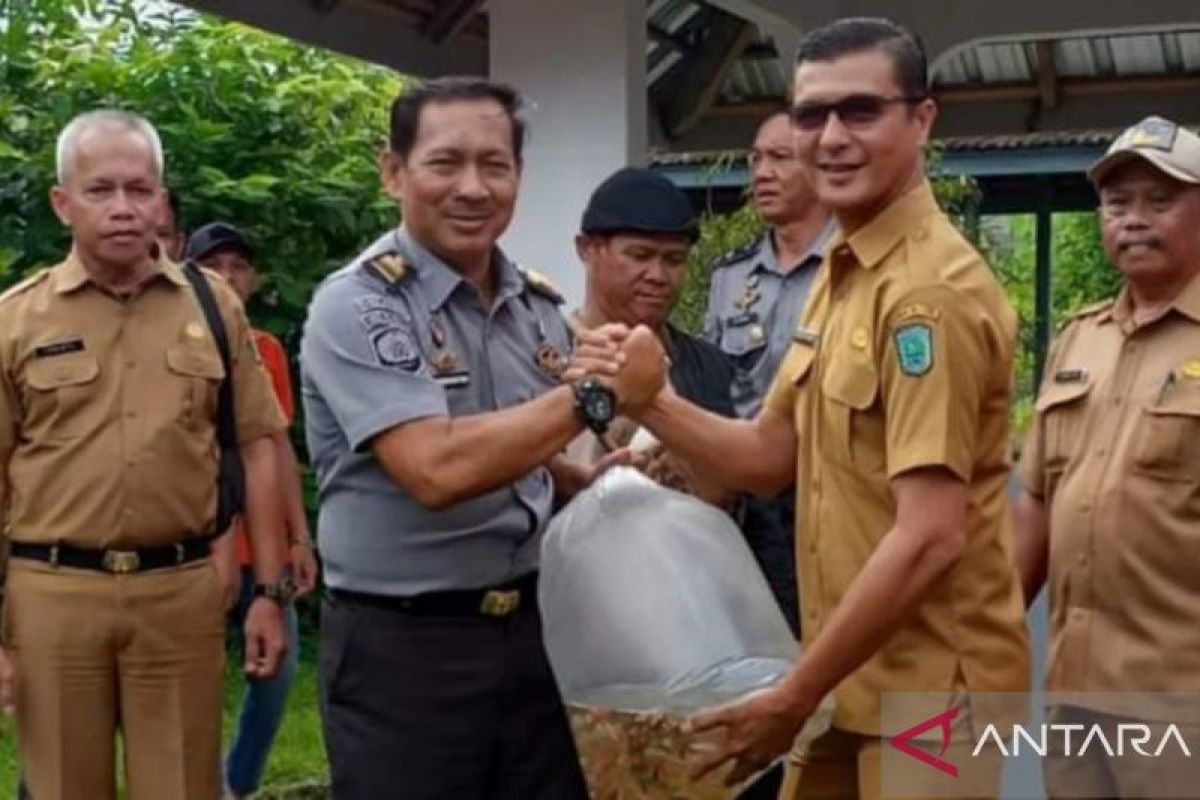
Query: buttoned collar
column 71, row 274
column 905, row 217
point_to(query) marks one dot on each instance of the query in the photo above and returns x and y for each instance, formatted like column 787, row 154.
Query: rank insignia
column 1191, row 369
column 443, row 362
column 550, row 360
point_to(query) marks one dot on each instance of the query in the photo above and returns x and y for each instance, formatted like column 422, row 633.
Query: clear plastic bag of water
column 653, row 608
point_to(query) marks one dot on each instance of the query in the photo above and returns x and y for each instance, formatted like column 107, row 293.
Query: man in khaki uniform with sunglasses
column 892, row 408
column 113, row 612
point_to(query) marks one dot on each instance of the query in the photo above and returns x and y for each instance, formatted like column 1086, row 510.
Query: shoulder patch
column 540, row 284
column 914, row 348
column 739, row 254
column 26, row 284
column 389, row 267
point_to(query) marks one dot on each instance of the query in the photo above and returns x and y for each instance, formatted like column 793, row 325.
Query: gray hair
column 68, row 140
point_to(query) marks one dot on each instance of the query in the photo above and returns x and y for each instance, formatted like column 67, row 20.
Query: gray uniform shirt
column 379, row 353
column 753, row 309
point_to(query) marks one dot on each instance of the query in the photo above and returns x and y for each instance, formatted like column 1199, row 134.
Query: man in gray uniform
column 431, row 388
column 754, row 303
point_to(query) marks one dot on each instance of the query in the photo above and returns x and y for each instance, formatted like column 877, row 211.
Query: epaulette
column 389, row 267
column 1086, row 311
column 540, row 284
column 26, row 284
column 739, row 254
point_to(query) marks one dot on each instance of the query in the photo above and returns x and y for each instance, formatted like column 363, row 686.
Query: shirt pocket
column 1062, row 407
column 850, row 433
column 1166, row 441
column 197, row 374
column 61, row 395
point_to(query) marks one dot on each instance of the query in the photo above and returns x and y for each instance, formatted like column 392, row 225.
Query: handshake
column 630, row 361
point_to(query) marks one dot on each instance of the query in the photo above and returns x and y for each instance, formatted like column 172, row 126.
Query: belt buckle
column 498, row 603
column 121, row 562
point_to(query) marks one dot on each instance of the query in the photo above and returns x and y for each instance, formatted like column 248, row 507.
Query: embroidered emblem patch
column 914, row 349
column 394, row 348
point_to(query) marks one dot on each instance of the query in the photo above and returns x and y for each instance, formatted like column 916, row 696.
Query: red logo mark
column 901, row 741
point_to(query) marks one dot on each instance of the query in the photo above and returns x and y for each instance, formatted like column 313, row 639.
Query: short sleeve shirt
column 904, row 361
column 1114, row 454
column 754, row 303
column 414, row 340
column 108, row 407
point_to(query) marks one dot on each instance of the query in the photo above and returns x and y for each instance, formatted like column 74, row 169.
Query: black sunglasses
column 855, row 110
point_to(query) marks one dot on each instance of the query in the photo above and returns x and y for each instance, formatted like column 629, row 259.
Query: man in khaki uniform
column 1110, row 508
column 109, row 376
column 892, row 404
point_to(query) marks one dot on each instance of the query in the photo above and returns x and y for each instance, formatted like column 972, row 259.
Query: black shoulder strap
column 231, row 472
column 226, row 428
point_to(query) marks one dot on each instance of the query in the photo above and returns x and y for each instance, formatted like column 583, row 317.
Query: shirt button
column 131, row 363
column 1100, row 451
column 1083, row 559
column 130, row 415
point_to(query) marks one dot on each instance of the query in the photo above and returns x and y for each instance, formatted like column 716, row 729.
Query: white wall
column 581, row 65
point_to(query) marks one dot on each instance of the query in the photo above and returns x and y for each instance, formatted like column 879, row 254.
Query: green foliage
column 270, row 135
column 1080, row 275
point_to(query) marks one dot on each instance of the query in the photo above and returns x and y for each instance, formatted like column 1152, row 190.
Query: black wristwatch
column 282, row 591
column 595, row 404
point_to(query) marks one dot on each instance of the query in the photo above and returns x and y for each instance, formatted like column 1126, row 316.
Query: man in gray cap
column 755, row 302
column 431, row 385
column 634, row 240
column 1109, row 474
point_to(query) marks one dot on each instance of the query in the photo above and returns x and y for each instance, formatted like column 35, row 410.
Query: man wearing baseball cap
column 1111, row 477
column 224, row 249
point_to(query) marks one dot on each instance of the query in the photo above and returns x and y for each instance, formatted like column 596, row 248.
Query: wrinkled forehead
column 865, row 72
column 114, row 152
column 465, row 126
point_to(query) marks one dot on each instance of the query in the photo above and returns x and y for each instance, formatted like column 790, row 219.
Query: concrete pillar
column 581, row 66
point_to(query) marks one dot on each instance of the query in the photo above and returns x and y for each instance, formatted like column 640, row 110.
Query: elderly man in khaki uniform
column 109, row 377
column 892, row 407
column 1110, row 512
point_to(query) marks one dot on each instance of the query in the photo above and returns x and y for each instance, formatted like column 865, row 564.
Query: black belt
column 497, row 601
column 118, row 562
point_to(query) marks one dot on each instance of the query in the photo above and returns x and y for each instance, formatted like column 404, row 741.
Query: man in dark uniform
column 634, row 240
column 430, row 369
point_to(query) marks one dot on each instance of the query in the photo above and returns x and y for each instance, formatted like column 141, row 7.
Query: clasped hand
column 631, row 361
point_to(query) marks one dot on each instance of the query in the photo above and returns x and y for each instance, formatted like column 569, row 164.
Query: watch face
column 599, row 406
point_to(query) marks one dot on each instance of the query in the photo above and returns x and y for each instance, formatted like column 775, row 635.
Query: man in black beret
column 634, row 240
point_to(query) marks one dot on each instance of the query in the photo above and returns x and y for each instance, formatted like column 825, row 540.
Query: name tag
column 454, row 380
column 741, row 320
column 59, row 348
column 1070, row 376
column 804, row 337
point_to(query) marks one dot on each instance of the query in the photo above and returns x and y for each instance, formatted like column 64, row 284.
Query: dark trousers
column 424, row 707
column 770, row 529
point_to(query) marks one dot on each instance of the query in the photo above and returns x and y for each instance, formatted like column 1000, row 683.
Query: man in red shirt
column 223, row 249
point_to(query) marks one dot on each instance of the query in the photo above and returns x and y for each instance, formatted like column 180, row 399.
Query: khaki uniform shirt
column 904, row 361
column 1114, row 454
column 108, row 407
